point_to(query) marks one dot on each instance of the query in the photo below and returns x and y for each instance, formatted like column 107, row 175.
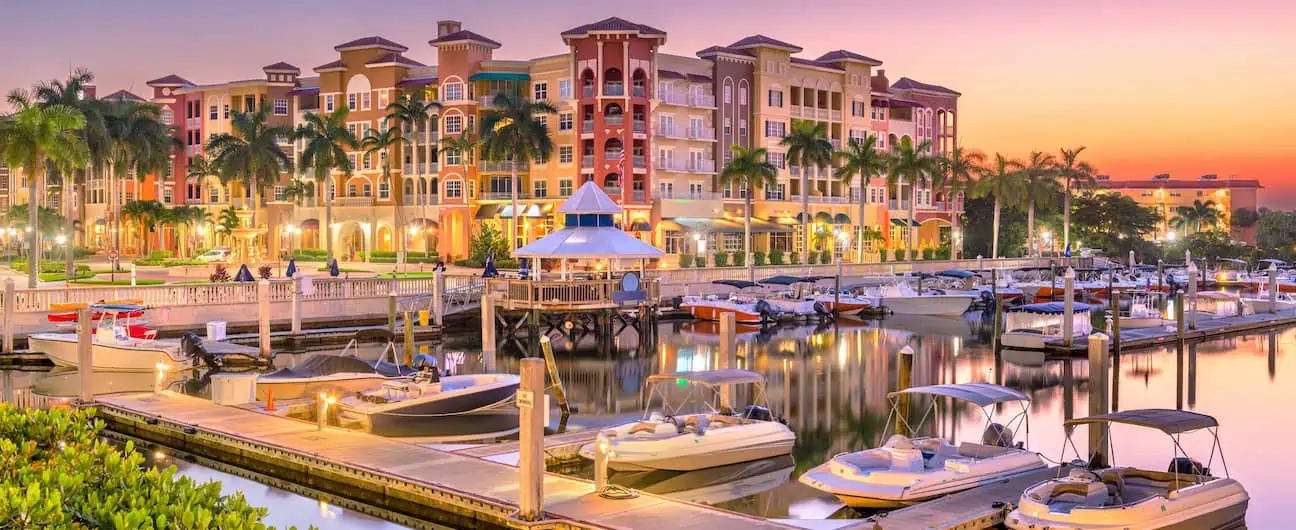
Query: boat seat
column 723, row 420
column 859, row 464
column 1068, row 495
column 980, row 451
column 645, row 426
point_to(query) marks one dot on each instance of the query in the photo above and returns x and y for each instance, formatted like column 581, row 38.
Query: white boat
column 676, row 439
column 429, row 402
column 793, row 301
column 1229, row 271
column 113, row 347
column 1262, row 303
column 1143, row 314
column 1214, row 304
column 905, row 471
column 1030, row 326
column 335, row 374
column 1184, row 496
column 712, row 485
column 901, row 298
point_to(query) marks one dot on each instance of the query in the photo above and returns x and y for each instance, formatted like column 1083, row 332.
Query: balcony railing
column 835, row 143
column 193, row 123
column 587, row 125
column 433, row 199
column 424, row 168
column 353, row 201
column 613, row 191
column 640, row 126
column 613, row 89
column 612, row 156
column 820, row 199
column 773, row 196
column 707, row 166
column 640, row 161
column 794, row 111
column 639, row 92
column 702, row 100
column 836, row 115
column 672, row 98
column 670, row 131
column 898, row 205
column 637, row 196
column 499, row 167
column 702, row 133
column 614, row 119
column 587, row 91
column 501, row 195
column 822, row 113
column 587, row 160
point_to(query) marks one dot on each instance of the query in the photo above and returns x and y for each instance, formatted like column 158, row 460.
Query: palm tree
column 465, row 144
column 226, row 221
column 139, row 143
column 251, row 154
column 148, row 214
column 808, row 147
column 379, row 143
column 863, row 160
column 412, row 110
column 327, row 142
column 1039, row 174
column 912, row 165
column 184, row 217
column 511, row 132
column 1196, row 216
column 297, row 190
column 958, row 169
column 1075, row 173
column 1003, row 181
column 748, row 169
column 36, row 139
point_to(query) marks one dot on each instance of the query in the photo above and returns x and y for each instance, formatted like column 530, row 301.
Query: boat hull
column 882, row 488
column 938, row 305
column 141, row 356
column 1219, row 504
column 1142, row 322
column 691, row 451
column 441, row 414
column 703, row 311
column 335, row 385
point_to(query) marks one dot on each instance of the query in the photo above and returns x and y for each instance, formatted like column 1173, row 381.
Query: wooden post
column 85, row 353
column 531, row 435
column 296, row 304
column 1068, row 305
column 438, row 297
column 1273, row 288
column 391, row 312
column 488, row 324
column 263, row 317
column 728, row 355
column 409, row 337
column 1115, row 311
column 904, row 378
column 1192, row 295
column 9, row 316
column 1179, row 315
column 997, row 333
column 1098, row 398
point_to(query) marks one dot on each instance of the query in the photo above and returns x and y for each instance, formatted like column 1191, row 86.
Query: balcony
column 640, row 161
column 587, row 160
column 794, row 111
column 424, row 168
column 898, row 204
column 490, row 166
column 771, row 195
column 637, row 196
column 193, row 123
column 501, row 195
column 835, row 143
column 836, row 115
column 702, row 133
column 195, row 150
column 353, row 201
column 671, row 98
column 702, row 100
column 612, row 156
column 587, row 125
column 587, row 91
column 613, row 89
column 704, row 166
column 614, row 119
column 613, row 191
column 639, row 92
column 670, row 131
column 947, row 130
column 433, row 199
column 640, row 127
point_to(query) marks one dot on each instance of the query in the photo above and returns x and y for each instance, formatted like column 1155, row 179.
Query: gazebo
column 589, row 234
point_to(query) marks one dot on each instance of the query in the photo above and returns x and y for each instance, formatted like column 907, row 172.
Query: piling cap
column 1070, row 273
column 1098, row 336
column 907, row 350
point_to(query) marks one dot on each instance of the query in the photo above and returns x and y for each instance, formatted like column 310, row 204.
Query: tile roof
column 906, row 83
column 669, row 74
column 371, row 42
column 170, row 80
column 816, row 64
column 755, row 41
column 395, row 58
column 1180, row 184
column 461, row 36
column 416, row 81
column 699, row 78
column 613, row 24
column 716, row 50
column 281, row 67
column 304, row 91
column 847, row 55
column 123, row 95
column 335, row 65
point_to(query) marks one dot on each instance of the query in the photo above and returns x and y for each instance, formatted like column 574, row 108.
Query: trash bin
column 216, row 330
column 233, row 389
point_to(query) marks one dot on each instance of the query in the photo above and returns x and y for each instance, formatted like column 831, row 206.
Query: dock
column 440, row 486
column 983, row 507
column 1139, row 338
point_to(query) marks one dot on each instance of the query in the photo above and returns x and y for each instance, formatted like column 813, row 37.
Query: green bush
column 825, row 257
column 56, row 472
column 811, row 258
column 721, row 259
column 60, row 276
column 776, row 257
column 700, row 262
column 758, row 258
column 45, row 266
column 161, row 254
column 928, row 254
column 739, row 259
column 882, row 255
column 942, row 253
column 168, row 262
column 499, row 263
column 686, row 261
column 82, row 252
column 119, row 281
column 794, row 258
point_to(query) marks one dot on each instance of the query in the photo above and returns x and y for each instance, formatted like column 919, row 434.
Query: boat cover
column 320, row 365
column 786, row 280
column 1169, row 421
column 982, row 394
column 711, row 377
column 956, row 273
column 1051, row 308
column 739, row 284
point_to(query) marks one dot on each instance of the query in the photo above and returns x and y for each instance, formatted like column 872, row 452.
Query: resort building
column 1167, row 195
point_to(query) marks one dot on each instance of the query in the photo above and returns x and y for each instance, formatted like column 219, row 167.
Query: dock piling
column 1273, row 288
column 904, row 377
column 9, row 315
column 1098, row 398
column 263, row 317
column 438, row 297
column 1192, row 295
column 488, row 324
column 531, row 435
column 728, row 355
column 296, row 304
column 560, row 392
column 408, row 337
column 391, row 311
column 1068, row 305
column 1179, row 316
column 85, row 352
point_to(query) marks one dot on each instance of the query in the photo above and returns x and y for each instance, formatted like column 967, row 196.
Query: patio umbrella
column 523, row 270
column 490, row 271
column 244, row 275
column 333, row 269
column 292, row 268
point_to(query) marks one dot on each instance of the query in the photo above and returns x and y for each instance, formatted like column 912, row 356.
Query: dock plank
column 971, row 509
column 566, row 498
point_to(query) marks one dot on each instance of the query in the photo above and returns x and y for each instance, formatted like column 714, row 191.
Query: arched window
column 613, row 83
column 639, row 82
column 587, row 83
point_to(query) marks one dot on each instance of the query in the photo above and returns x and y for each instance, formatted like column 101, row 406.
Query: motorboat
column 1232, row 272
column 793, row 301
column 1186, row 495
column 901, row 298
column 333, row 374
column 714, row 485
column 65, row 383
column 908, row 470
column 428, row 398
column 1262, row 302
column 973, row 285
column 1143, row 313
column 746, row 309
column 696, row 432
column 843, row 302
column 1030, row 326
column 118, row 344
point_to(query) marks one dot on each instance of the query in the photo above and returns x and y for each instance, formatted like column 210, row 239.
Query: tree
column 1039, row 177
column 139, row 143
column 147, row 214
column 957, row 170
column 327, row 141
column 1275, row 234
column 379, row 143
column 979, row 233
column 1196, row 216
column 47, row 219
column 511, row 132
column 1245, row 218
column 748, row 169
column 251, row 154
column 1002, row 180
column 912, row 165
column 1114, row 222
column 414, row 111
column 36, row 139
column 297, row 190
column 226, row 221
column 808, row 147
column 860, row 160
column 1075, row 173
column 183, row 217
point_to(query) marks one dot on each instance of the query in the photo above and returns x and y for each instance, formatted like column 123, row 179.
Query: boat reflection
column 711, row 486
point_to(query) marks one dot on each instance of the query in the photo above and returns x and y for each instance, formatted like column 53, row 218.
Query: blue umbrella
column 244, row 275
column 523, row 270
column 1068, row 250
column 292, row 268
column 333, row 269
column 490, row 271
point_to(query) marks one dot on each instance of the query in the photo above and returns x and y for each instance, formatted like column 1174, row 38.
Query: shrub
column 758, row 258
column 776, row 257
column 161, row 254
column 811, row 258
column 265, row 271
column 221, row 274
column 929, row 254
column 942, row 253
column 882, row 255
column 740, row 259
column 119, row 281
column 825, row 257
column 794, row 258
column 721, row 259
column 475, row 264
column 686, row 261
column 82, row 252
column 46, row 266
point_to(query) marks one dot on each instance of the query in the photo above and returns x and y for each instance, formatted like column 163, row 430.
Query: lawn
column 415, row 274
column 342, row 269
column 60, row 276
column 120, row 281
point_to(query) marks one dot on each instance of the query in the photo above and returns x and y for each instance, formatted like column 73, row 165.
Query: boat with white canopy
column 1143, row 313
column 908, row 470
column 699, row 431
column 1186, row 495
column 1231, row 272
column 902, row 298
column 1030, row 326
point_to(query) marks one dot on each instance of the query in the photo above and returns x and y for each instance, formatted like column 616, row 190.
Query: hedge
column 155, row 262
column 499, row 263
column 81, row 274
column 47, row 266
column 758, row 258
column 119, row 281
column 776, row 257
column 721, row 259
column 686, row 261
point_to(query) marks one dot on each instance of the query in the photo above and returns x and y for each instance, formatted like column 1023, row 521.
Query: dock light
column 324, row 401
column 161, row 369
column 159, row 456
column 28, row 229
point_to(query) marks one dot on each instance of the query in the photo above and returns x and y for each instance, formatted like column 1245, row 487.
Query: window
column 565, row 187
column 873, row 113
column 384, row 189
column 781, row 242
column 674, row 242
column 776, row 98
column 382, row 99
column 540, row 91
column 565, row 121
column 665, row 190
column 541, row 189
column 742, row 127
column 328, row 103
column 728, row 126
column 368, row 189
column 351, row 190
column 366, row 100
column 728, row 94
column 695, row 190
column 472, row 189
column 742, row 97
column 279, row 195
column 564, row 89
column 732, row 242
column 775, row 129
column 281, row 107
column 354, row 129
column 453, row 124
column 857, row 108
column 167, row 116
column 454, row 189
column 882, row 113
column 778, row 160
column 214, row 114
column 367, row 161
column 352, row 101
column 452, row 92
column 452, row 157
column 565, row 154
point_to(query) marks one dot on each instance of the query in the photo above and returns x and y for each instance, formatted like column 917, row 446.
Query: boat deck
column 471, row 488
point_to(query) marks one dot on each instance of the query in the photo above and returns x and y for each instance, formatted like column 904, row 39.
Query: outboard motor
column 422, row 361
column 1187, row 466
column 821, row 309
column 192, row 346
column 765, row 309
column 987, row 299
column 758, row 413
column 997, row 435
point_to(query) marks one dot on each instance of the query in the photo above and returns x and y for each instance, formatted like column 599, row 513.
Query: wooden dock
column 444, row 487
column 982, row 507
column 1133, row 339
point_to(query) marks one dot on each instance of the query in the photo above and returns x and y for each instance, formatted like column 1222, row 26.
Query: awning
column 668, row 74
column 710, row 377
column 1169, row 421
column 499, row 76
column 901, row 222
column 728, row 226
column 488, row 211
column 699, row 78
column 842, row 219
column 528, row 210
column 588, row 242
column 303, row 91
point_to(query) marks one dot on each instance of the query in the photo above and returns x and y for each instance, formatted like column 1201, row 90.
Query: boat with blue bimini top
column 746, row 308
column 1184, row 496
column 1031, row 326
column 905, row 470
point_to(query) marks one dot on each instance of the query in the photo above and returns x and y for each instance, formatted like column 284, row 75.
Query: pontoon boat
column 1031, row 325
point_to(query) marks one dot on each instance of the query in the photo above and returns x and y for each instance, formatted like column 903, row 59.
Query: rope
column 615, row 492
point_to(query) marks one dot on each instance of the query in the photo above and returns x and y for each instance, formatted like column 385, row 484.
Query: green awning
column 500, row 76
column 901, row 222
column 842, row 219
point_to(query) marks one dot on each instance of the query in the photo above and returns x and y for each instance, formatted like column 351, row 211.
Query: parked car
column 215, row 254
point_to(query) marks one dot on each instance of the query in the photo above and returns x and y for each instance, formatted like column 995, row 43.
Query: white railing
column 672, row 98
column 353, row 201
column 702, row 133
column 702, row 100
column 675, row 281
column 794, row 111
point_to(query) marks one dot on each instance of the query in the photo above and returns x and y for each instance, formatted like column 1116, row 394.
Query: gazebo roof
column 588, row 242
column 590, row 198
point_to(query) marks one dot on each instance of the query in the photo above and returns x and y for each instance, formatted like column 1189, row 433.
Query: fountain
column 244, row 237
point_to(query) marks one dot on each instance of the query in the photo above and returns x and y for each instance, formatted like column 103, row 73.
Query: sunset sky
column 1150, row 86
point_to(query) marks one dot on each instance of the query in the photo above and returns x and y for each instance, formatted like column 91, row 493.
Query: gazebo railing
column 555, row 294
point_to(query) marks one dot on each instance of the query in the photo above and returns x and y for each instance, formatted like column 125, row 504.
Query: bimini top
column 983, row 394
column 738, row 284
column 1231, row 260
column 729, row 376
column 116, row 307
column 787, row 280
column 1169, row 421
column 956, row 273
column 1051, row 308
